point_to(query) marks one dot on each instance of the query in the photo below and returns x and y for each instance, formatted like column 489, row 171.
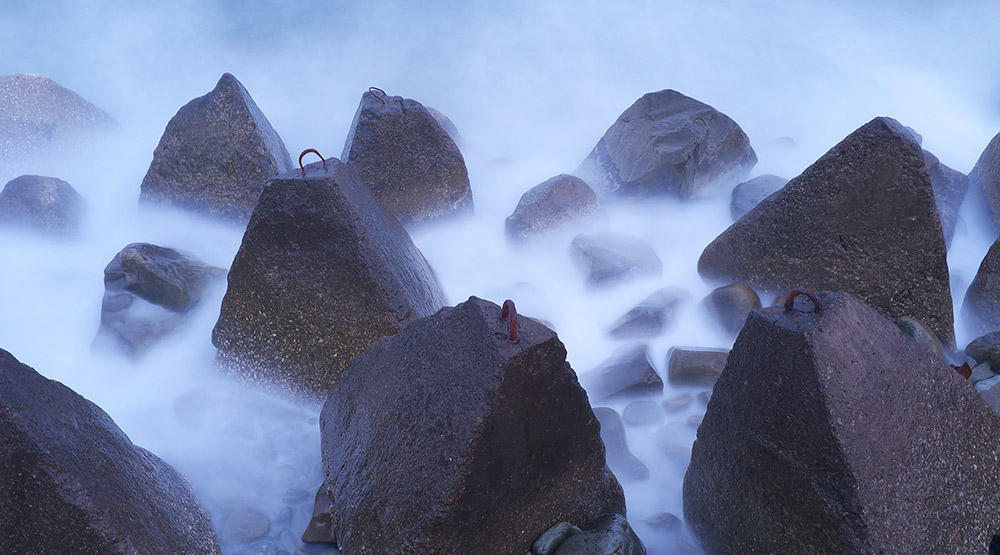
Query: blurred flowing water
column 531, row 88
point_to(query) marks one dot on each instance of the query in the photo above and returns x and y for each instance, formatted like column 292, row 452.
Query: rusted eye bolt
column 790, row 299
column 307, row 151
column 377, row 93
column 509, row 314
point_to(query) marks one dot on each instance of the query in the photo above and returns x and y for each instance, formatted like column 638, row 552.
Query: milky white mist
column 531, row 87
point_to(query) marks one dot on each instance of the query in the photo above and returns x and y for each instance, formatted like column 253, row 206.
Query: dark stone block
column 408, row 160
column 556, row 204
column 322, row 273
column 861, row 219
column 447, row 438
column 215, row 155
column 72, row 482
column 808, row 445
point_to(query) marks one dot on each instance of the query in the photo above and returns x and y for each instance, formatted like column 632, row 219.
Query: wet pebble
column 245, row 525
column 678, row 402
column 642, row 413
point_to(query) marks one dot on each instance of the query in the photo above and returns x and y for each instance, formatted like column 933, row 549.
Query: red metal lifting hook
column 790, row 299
column 380, row 97
column 509, row 314
column 307, row 151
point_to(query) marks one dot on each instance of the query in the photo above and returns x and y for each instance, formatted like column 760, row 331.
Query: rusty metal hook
column 379, row 98
column 307, row 151
column 509, row 314
column 790, row 299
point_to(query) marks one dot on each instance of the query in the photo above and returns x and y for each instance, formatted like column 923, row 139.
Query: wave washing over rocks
column 558, row 323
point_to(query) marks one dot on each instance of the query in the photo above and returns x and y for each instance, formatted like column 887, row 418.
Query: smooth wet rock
column 41, row 120
column 608, row 257
column 448, row 437
column 408, row 160
column 611, row 535
column 981, row 372
column 748, row 194
column 729, row 305
column 548, row 542
column 985, row 348
column 950, row 187
column 627, row 371
column 981, row 307
column 620, row 458
column 148, row 292
column 47, row 204
column 984, row 181
column 862, row 469
column 319, row 528
column 215, row 155
column 322, row 272
column 651, row 316
column 919, row 332
column 697, row 367
column 831, row 228
column 669, row 144
column 72, row 482
column 677, row 403
column 556, row 204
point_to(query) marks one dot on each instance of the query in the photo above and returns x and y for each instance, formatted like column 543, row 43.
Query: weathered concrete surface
column 834, row 433
column 447, row 438
column 861, row 219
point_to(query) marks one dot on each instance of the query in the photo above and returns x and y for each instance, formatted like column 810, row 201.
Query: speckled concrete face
column 833, row 432
column 861, row 219
column 408, row 160
column 322, row 273
column 215, row 155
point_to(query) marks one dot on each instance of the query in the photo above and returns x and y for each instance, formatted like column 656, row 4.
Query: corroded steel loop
column 307, row 151
column 377, row 93
column 790, row 299
column 509, row 314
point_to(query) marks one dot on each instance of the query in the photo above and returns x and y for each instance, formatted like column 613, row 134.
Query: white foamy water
column 531, row 88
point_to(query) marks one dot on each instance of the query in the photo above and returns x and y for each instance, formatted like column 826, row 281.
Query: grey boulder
column 41, row 120
column 861, row 219
column 148, row 292
column 809, row 447
column 981, row 307
column 611, row 535
column 950, row 187
column 651, row 316
column 669, row 144
column 215, row 155
column 748, row 194
column 608, row 257
column 46, row 204
column 984, row 181
column 553, row 205
column 626, row 372
column 408, row 160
